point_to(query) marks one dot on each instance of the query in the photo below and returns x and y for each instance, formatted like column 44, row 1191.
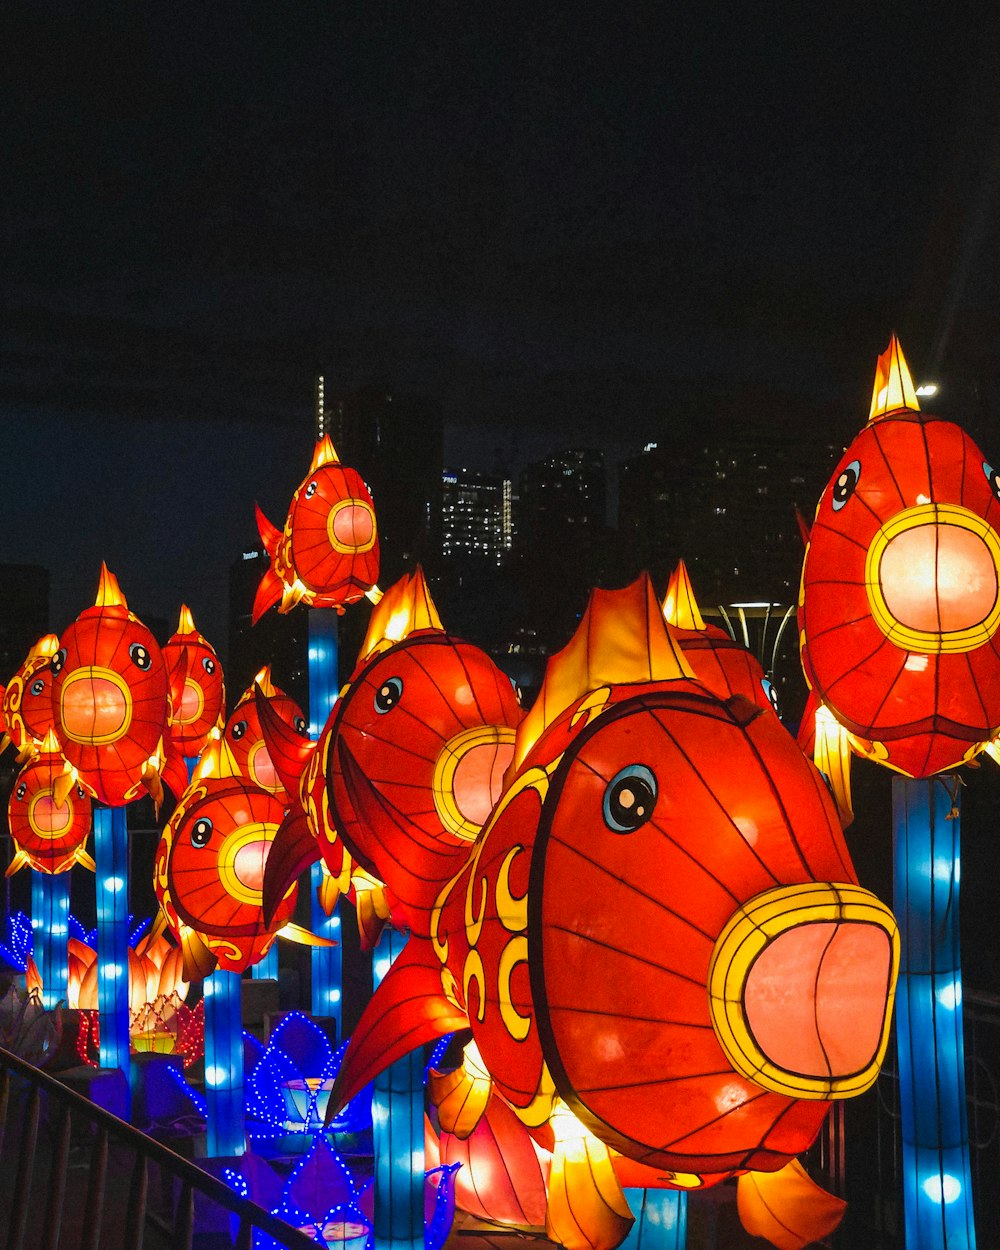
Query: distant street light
column 926, row 389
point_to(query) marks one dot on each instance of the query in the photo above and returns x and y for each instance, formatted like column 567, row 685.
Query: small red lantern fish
column 109, row 699
column 50, row 834
column 244, row 752
column 430, row 722
column 208, row 873
column 327, row 555
column 715, row 658
column 659, row 925
column 900, row 599
column 27, row 699
column 197, row 693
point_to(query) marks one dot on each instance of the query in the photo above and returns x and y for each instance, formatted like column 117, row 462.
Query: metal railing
column 74, row 1175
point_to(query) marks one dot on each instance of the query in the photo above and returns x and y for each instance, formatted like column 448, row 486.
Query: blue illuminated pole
column 660, row 1219
column 267, row 968
column 398, row 1131
column 226, row 1129
column 50, row 933
column 937, row 1179
column 327, row 961
column 111, row 859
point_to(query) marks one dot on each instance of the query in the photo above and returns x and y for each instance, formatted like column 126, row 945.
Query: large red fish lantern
column 197, row 693
column 208, row 874
column 243, row 750
column 26, row 708
column 327, row 555
column 659, row 926
column 109, row 699
column 428, row 719
column 49, row 833
column 900, row 605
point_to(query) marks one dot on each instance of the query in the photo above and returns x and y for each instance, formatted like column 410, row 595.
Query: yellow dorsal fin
column 680, row 607
column 405, row 607
column 621, row 639
column 44, row 649
column 185, row 622
column 324, row 453
column 19, row 861
column 292, row 932
column 893, row 389
column 50, row 743
column 267, row 686
column 109, row 593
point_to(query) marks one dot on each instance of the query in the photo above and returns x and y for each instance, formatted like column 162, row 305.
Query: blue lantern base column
column 224, row 1064
column 398, row 1133
column 266, row 969
column 111, row 858
column 326, row 962
column 660, row 1219
column 937, row 1180
column 50, row 933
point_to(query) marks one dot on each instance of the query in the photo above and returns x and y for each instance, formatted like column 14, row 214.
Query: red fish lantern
column 109, row 698
column 244, row 752
column 50, row 834
column 197, row 693
column 27, row 699
column 900, row 603
column 327, row 555
column 208, row 874
column 715, row 658
column 428, row 719
column 659, row 925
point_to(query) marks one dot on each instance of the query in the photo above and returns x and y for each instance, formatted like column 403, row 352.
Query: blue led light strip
column 50, row 928
column 327, row 965
column 111, row 858
column 937, row 1179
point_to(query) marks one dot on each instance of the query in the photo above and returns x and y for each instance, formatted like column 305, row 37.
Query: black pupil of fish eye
column 79, row 792
column 58, row 660
column 37, row 686
column 388, row 694
column 629, row 800
column 844, row 486
column 239, row 729
column 22, row 790
column 208, row 664
column 310, row 490
column 139, row 655
column 300, row 724
column 201, row 832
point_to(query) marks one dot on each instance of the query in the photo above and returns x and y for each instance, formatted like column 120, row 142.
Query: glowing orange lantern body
column 661, row 880
column 208, row 874
column 900, row 602
column 27, row 699
column 327, row 555
column 197, row 693
column 109, row 698
column 50, row 834
column 244, row 750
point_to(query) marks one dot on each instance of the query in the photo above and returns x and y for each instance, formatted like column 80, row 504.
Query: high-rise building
column 564, row 494
column 476, row 516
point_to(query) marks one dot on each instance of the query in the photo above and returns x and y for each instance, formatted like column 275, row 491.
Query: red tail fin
column 288, row 749
column 293, row 850
column 270, row 535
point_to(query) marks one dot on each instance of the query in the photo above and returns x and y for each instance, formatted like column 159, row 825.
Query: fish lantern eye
column 772, row 694
column 310, row 490
column 388, row 695
column 993, row 477
column 629, row 799
column 79, row 792
column 300, row 724
column 22, row 790
column 208, row 664
column 140, row 657
column 846, row 484
column 201, row 832
column 58, row 660
column 238, row 730
column 37, row 686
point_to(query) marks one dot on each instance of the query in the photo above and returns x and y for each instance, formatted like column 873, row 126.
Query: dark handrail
column 191, row 1177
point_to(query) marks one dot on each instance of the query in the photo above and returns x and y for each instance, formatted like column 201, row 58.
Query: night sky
column 550, row 223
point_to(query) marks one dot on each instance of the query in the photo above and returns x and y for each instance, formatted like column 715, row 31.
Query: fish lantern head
column 109, row 697
column 900, row 598
column 680, row 949
column 208, row 874
column 715, row 657
column 27, row 700
column 49, row 819
column 427, row 721
column 244, row 750
column 328, row 554
column 197, row 693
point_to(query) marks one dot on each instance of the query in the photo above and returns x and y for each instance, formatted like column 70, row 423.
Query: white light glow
column 114, row 884
column 926, row 389
column 950, row 995
column 945, row 1188
column 214, row 1075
